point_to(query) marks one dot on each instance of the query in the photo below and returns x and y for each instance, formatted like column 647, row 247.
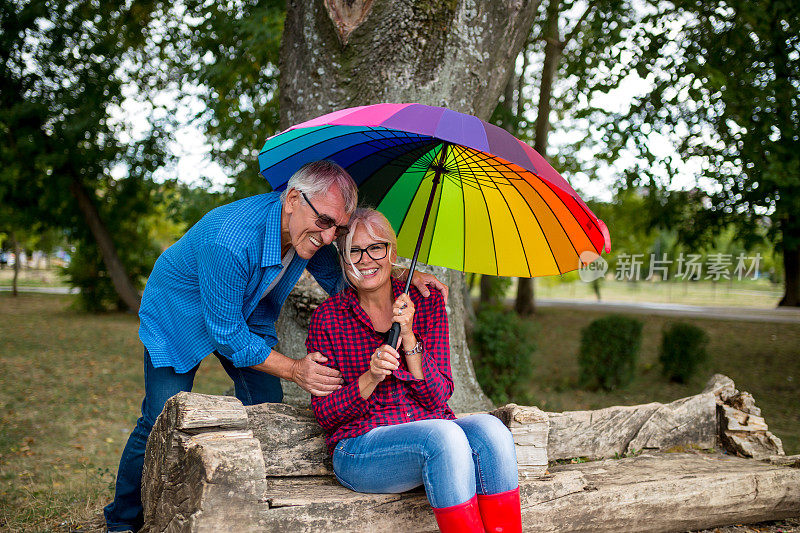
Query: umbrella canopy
column 495, row 205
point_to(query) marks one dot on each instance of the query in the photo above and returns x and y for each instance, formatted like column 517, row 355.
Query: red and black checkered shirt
column 342, row 331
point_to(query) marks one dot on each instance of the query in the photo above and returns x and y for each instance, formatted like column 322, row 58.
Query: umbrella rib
column 516, row 226
column 309, row 132
column 488, row 216
column 557, row 220
column 566, row 234
column 406, row 169
column 591, row 219
column 405, row 215
column 463, row 222
column 574, row 217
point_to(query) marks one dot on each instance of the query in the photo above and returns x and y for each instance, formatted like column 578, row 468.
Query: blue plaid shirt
column 205, row 291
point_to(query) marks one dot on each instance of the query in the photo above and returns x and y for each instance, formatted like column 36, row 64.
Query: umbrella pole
column 439, row 169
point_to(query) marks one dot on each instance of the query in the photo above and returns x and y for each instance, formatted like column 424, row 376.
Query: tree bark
column 488, row 294
column 453, row 54
column 791, row 269
column 524, row 305
column 116, row 270
column 447, row 53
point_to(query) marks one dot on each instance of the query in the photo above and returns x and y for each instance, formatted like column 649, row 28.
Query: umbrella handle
column 394, row 335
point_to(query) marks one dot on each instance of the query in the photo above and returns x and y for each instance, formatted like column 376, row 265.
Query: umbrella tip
column 606, row 235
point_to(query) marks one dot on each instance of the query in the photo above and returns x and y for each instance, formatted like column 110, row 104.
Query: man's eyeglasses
column 326, row 222
column 376, row 251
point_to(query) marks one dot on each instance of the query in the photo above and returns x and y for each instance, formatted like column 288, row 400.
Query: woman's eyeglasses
column 326, row 222
column 376, row 251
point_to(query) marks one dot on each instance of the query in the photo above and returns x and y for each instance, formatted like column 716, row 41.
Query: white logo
column 591, row 266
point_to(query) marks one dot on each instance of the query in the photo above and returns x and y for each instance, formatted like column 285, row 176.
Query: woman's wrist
column 412, row 347
column 367, row 384
column 409, row 341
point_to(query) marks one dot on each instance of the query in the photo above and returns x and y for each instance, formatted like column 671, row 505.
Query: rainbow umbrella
column 495, row 205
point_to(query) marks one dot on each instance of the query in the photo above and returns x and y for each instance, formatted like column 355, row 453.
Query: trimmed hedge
column 683, row 351
column 609, row 352
column 502, row 345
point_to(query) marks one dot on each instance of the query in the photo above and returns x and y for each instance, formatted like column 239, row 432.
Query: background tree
column 453, row 54
column 225, row 56
column 63, row 67
column 725, row 84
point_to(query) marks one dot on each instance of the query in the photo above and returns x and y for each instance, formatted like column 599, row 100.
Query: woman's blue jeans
column 160, row 384
column 453, row 459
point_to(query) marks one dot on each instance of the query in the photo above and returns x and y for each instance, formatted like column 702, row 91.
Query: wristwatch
column 416, row 349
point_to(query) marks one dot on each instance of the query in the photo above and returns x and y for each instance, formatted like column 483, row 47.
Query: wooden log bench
column 213, row 464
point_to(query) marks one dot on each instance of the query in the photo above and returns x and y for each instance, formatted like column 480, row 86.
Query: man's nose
column 328, row 235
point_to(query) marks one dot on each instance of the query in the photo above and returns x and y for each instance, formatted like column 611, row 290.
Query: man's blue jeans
column 160, row 384
column 453, row 459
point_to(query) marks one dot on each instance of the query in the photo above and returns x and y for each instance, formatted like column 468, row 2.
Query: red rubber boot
column 461, row 518
column 501, row 513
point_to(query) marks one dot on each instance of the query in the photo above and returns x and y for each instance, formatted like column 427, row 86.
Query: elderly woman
column 389, row 427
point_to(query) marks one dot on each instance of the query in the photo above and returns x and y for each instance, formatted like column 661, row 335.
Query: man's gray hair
column 318, row 177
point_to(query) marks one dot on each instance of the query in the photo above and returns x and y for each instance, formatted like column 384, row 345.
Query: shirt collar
column 350, row 298
column 272, row 236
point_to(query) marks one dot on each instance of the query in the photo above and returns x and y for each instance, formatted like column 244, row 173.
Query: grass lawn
column 70, row 385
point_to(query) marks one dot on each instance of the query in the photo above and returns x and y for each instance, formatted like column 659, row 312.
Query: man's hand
column 421, row 280
column 312, row 376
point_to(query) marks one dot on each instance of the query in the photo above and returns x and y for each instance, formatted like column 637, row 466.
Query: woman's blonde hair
column 377, row 226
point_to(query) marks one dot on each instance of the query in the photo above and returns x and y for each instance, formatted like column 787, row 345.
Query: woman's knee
column 446, row 437
column 489, row 431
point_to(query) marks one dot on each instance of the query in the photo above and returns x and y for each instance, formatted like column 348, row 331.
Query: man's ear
column 292, row 200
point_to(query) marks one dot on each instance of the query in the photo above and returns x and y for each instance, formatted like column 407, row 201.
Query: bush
column 683, row 350
column 609, row 351
column 502, row 345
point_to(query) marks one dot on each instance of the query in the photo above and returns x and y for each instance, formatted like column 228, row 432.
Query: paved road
column 44, row 290
column 752, row 314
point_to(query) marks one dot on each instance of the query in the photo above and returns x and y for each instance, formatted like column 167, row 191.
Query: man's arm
column 308, row 372
column 223, row 278
column 325, row 268
column 422, row 280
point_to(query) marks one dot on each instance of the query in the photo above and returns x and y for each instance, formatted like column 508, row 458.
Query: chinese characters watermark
column 688, row 267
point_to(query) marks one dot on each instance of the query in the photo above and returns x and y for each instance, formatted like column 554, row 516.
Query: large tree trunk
column 454, row 54
column 448, row 53
column 116, row 270
column 791, row 269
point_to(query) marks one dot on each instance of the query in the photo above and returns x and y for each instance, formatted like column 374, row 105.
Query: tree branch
column 577, row 26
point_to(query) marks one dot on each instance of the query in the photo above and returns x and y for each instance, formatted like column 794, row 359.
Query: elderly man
column 219, row 290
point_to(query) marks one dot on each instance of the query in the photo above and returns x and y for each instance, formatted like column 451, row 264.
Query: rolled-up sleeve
column 223, row 278
column 345, row 404
column 433, row 331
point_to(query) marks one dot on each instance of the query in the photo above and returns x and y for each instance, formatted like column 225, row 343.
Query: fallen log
column 214, row 465
column 615, row 431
